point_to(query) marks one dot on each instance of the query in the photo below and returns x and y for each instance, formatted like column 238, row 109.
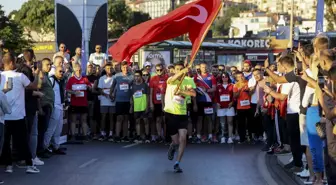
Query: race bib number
column 137, row 94
column 225, row 98
column 179, row 100
column 79, row 87
column 80, row 94
column 244, row 103
column 106, row 91
column 124, row 87
column 158, row 96
column 208, row 110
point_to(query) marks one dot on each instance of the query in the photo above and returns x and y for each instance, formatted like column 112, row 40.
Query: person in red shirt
column 157, row 84
column 78, row 87
column 241, row 93
column 225, row 110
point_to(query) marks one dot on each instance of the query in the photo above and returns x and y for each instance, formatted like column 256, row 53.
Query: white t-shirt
column 293, row 100
column 16, row 96
column 251, row 83
column 66, row 57
column 98, row 59
column 105, row 84
column 52, row 70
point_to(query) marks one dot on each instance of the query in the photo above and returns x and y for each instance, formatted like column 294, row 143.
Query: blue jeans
column 315, row 142
column 54, row 130
column 31, row 120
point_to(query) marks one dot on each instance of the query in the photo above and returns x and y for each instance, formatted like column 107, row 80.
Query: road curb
column 264, row 170
column 296, row 178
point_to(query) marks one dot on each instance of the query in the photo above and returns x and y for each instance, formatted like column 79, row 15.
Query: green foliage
column 331, row 14
column 221, row 25
column 121, row 18
column 12, row 34
column 37, row 15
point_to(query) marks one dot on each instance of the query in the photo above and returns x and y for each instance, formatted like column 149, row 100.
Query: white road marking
column 130, row 145
column 88, row 163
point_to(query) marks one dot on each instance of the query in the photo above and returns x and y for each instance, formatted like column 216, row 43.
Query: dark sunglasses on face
column 145, row 75
column 159, row 70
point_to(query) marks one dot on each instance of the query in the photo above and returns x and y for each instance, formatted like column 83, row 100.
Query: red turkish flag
column 194, row 18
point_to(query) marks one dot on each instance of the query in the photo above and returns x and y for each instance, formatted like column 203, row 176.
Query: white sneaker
column 223, row 140
column 37, row 162
column 229, row 141
column 304, row 174
column 9, row 169
column 32, row 169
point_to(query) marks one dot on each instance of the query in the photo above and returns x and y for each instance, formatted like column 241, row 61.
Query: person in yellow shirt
column 176, row 112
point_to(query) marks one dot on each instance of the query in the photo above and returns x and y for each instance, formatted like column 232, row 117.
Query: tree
column 221, row 25
column 331, row 14
column 12, row 34
column 38, row 16
column 121, row 18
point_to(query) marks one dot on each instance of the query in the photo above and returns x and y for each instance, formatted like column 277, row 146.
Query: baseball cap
column 147, row 64
column 248, row 62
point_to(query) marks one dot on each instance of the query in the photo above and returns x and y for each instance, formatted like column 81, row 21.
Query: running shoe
column 177, row 168
column 110, row 139
column 171, row 152
column 125, row 139
column 117, row 139
column 102, row 138
column 214, row 139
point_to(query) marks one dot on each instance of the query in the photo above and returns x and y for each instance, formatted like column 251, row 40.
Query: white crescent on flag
column 201, row 18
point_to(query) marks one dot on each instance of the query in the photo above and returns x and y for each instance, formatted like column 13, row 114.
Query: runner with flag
column 193, row 19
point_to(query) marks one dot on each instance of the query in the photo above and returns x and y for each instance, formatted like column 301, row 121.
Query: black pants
column 243, row 120
column 330, row 167
column 255, row 125
column 269, row 126
column 283, row 130
column 17, row 130
column 293, row 130
column 43, row 122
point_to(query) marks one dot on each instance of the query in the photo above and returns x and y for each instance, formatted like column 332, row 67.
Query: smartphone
column 10, row 83
column 35, row 65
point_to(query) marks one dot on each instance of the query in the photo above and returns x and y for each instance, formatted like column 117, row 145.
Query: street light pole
column 290, row 45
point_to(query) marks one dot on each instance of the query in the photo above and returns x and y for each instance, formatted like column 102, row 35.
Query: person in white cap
column 148, row 66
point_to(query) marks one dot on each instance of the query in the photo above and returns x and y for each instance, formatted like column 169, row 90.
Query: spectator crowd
column 289, row 105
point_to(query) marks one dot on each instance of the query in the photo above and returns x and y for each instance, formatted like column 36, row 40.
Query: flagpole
column 199, row 45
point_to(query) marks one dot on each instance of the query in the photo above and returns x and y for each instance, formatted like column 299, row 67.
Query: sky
column 10, row 5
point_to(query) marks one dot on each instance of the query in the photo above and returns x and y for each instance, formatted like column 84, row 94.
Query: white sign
column 156, row 57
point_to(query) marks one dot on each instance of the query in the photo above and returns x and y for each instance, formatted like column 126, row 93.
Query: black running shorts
column 175, row 123
column 79, row 109
column 122, row 108
column 157, row 111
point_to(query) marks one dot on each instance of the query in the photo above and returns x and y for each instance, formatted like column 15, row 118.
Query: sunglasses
column 145, row 75
column 159, row 70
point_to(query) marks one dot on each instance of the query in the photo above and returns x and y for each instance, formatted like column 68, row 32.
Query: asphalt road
column 98, row 163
